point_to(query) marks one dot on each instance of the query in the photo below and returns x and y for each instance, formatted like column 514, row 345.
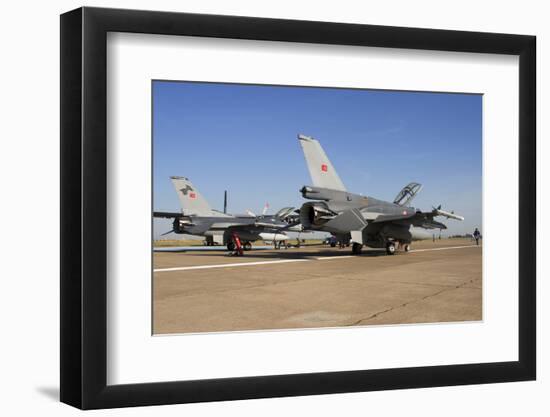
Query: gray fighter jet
column 197, row 218
column 359, row 219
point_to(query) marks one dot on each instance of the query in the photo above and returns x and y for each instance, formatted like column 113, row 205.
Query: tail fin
column 192, row 202
column 320, row 168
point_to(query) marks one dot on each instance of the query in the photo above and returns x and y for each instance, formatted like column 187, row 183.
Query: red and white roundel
column 192, row 195
column 324, row 167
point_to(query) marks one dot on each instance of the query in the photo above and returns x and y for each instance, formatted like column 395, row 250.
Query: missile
column 439, row 212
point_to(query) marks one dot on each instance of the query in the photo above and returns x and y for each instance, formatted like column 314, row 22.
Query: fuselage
column 246, row 227
column 332, row 202
column 340, row 212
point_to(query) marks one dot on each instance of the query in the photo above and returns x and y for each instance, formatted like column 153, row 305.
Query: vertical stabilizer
column 320, row 168
column 192, row 202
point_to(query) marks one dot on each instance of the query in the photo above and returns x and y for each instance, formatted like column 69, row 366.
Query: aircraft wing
column 230, row 225
column 426, row 221
column 255, row 225
column 418, row 219
column 432, row 225
column 393, row 217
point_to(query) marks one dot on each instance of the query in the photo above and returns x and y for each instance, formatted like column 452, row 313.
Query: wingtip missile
column 449, row 215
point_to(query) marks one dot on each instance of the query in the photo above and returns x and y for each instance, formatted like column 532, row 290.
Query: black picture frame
column 84, row 207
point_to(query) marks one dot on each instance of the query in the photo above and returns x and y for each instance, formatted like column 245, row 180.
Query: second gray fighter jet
column 359, row 219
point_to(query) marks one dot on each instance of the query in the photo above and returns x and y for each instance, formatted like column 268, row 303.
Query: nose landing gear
column 356, row 248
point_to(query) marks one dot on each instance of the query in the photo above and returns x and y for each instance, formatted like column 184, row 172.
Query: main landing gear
column 391, row 247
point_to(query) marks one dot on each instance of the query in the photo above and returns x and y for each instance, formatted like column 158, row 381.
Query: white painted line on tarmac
column 448, row 247
column 282, row 261
column 324, row 258
column 188, row 268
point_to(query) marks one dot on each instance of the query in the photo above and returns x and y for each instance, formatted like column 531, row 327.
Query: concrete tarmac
column 318, row 286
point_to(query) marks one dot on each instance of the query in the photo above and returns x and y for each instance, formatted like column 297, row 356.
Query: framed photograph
column 258, row 208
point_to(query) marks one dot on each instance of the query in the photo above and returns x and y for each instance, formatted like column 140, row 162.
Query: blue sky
column 243, row 138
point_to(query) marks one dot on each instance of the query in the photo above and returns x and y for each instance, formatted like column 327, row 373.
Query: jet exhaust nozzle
column 181, row 223
column 315, row 215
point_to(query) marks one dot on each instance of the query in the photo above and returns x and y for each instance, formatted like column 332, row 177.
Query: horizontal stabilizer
column 348, row 220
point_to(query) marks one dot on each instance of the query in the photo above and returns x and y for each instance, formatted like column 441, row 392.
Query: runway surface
column 316, row 287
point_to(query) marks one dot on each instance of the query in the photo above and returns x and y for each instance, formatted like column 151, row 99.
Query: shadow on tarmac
column 297, row 254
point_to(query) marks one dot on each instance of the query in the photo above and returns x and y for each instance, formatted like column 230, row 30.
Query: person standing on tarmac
column 477, row 236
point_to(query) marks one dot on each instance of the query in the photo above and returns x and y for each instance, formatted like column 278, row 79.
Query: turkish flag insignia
column 324, row 168
column 192, row 195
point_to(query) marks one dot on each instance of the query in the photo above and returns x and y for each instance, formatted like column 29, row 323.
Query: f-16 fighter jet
column 197, row 218
column 361, row 219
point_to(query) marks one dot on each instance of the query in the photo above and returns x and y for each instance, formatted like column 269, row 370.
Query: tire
column 407, row 247
column 356, row 248
column 230, row 245
column 390, row 248
column 247, row 246
column 333, row 245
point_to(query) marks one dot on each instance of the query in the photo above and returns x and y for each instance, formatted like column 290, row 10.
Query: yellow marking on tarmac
column 189, row 268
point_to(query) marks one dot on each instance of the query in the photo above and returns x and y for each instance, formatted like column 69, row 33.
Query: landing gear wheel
column 390, row 248
column 231, row 245
column 407, row 247
column 247, row 246
column 356, row 248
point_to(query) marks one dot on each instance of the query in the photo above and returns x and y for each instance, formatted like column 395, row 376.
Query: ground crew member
column 477, row 236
